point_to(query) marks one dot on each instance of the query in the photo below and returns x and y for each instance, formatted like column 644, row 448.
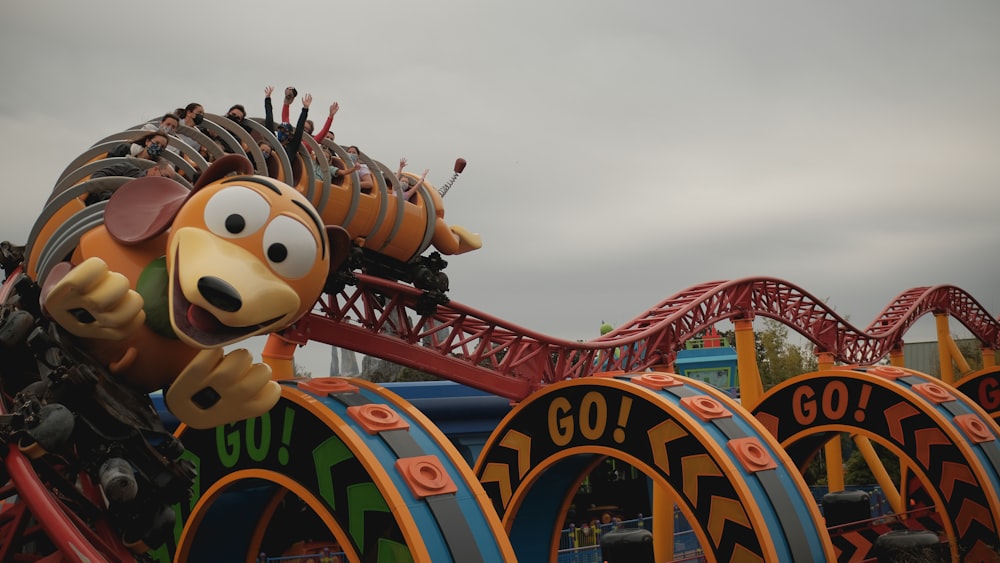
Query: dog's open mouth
column 204, row 328
column 203, row 321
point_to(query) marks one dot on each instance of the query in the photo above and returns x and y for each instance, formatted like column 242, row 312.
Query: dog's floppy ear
column 143, row 208
column 223, row 167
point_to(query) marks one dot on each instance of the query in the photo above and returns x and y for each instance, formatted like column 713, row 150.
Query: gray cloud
column 618, row 153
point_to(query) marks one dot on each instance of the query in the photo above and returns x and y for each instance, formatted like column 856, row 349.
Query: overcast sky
column 618, row 152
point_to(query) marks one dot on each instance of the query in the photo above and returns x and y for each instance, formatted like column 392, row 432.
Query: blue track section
column 456, row 532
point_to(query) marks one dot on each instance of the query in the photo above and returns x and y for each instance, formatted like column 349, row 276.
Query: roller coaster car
column 390, row 233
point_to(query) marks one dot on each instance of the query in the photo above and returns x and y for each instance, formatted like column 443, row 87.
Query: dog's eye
column 236, row 212
column 290, row 247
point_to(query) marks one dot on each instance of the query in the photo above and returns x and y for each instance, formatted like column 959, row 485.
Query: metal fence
column 582, row 544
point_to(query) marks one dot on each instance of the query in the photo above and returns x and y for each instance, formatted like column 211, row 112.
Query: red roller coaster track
column 378, row 317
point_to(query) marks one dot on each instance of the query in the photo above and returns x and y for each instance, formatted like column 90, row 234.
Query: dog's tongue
column 202, row 319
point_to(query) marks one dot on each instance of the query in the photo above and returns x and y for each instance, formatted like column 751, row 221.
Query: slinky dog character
column 172, row 276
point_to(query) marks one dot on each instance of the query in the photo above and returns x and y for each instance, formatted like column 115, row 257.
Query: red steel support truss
column 378, row 318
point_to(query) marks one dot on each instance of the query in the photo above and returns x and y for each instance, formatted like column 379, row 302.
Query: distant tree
column 858, row 472
column 300, row 371
column 815, row 472
column 777, row 358
column 972, row 350
column 409, row 374
column 403, row 374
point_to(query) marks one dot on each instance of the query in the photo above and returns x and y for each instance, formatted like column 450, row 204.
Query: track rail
column 378, row 317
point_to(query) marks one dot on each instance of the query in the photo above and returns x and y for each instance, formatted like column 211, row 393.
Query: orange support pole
column 751, row 387
column 896, row 357
column 663, row 523
column 824, row 361
column 989, row 357
column 279, row 353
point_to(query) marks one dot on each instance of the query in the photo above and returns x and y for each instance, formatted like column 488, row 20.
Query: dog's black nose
column 220, row 294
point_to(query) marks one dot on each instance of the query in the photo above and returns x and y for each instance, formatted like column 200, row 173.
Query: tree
column 858, row 472
column 972, row 351
column 301, row 372
column 387, row 372
column 777, row 358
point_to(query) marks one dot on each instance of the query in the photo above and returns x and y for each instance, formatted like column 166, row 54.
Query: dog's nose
column 220, row 294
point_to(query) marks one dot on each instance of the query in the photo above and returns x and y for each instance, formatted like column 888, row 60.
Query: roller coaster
column 92, row 474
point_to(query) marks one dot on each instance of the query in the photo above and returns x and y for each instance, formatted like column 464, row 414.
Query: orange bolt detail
column 751, row 454
column 657, row 381
column 705, row 407
column 425, row 476
column 377, row 418
column 888, row 372
column 326, row 385
column 974, row 428
column 933, row 392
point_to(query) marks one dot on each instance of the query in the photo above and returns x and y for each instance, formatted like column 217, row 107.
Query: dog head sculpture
column 173, row 272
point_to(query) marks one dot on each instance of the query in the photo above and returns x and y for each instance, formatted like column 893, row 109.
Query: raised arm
column 268, row 110
column 408, row 194
column 296, row 142
column 290, row 94
column 334, row 107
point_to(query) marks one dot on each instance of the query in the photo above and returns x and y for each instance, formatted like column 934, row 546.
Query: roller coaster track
column 378, row 317
column 53, row 509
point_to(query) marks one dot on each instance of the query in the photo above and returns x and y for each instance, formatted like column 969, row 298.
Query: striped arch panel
column 386, row 482
column 731, row 479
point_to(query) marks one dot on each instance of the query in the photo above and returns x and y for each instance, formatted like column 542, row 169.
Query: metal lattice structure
column 378, row 317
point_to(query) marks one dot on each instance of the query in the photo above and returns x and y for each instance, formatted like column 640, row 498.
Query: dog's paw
column 91, row 301
column 217, row 388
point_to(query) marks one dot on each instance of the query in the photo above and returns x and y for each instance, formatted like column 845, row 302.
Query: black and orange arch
column 948, row 441
column 730, row 478
column 382, row 479
column 983, row 387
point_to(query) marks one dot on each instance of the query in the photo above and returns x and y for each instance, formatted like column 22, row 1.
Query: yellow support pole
column 947, row 349
column 834, row 465
column 878, row 471
column 663, row 523
column 751, row 387
column 957, row 357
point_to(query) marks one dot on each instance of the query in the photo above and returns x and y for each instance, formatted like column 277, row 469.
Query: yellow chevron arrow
column 498, row 473
column 659, row 435
column 520, row 443
column 695, row 467
column 743, row 554
column 723, row 509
